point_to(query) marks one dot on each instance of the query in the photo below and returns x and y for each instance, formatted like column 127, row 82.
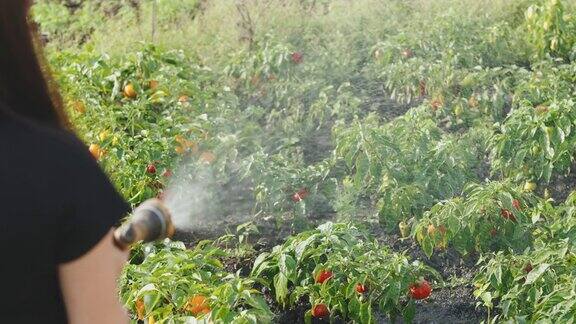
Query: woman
column 59, row 263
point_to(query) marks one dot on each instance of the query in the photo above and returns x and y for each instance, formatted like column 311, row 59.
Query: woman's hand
column 89, row 285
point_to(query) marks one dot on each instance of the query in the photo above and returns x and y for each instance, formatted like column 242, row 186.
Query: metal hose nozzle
column 151, row 221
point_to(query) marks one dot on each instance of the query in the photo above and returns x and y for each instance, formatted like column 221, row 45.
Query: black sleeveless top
column 55, row 205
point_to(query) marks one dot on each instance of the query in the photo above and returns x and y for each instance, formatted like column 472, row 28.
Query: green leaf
column 486, row 298
column 536, row 273
column 257, row 302
column 547, row 172
column 428, row 246
column 301, row 247
column 146, row 288
column 281, row 287
column 409, row 312
column 259, row 264
column 354, row 306
column 308, row 317
column 151, row 299
column 362, row 168
column 287, row 266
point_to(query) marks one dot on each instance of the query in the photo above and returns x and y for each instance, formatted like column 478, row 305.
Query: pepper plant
column 327, row 265
column 168, row 282
column 536, row 142
column 486, row 217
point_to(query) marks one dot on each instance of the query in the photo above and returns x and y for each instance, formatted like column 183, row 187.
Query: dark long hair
column 26, row 86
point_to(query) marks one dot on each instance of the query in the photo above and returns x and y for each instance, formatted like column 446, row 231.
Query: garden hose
column 151, row 221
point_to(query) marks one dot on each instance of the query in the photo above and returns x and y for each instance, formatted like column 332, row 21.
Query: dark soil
column 390, row 108
column 293, row 316
column 561, row 186
column 377, row 99
column 234, row 264
column 482, row 171
column 317, row 147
